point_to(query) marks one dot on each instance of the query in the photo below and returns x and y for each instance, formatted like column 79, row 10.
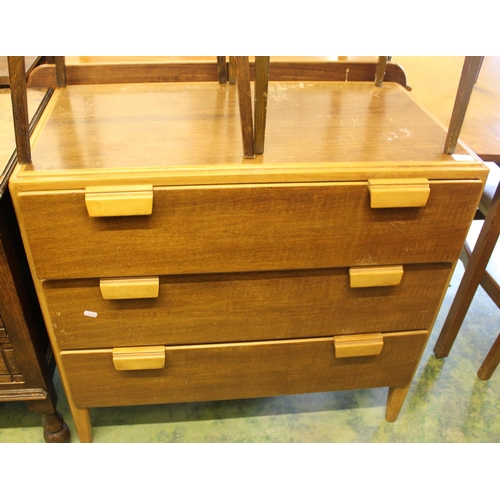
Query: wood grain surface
column 231, row 371
column 99, row 127
column 245, row 228
column 243, row 307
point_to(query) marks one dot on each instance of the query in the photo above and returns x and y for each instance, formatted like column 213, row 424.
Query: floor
column 446, row 403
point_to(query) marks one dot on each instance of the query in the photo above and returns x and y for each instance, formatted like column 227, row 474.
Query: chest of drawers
column 169, row 269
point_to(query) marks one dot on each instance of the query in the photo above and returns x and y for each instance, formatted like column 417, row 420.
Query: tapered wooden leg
column 395, row 400
column 261, row 89
column 83, row 426
column 472, row 277
column 490, row 362
column 242, row 67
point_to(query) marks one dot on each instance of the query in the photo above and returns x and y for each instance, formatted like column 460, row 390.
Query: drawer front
column 245, row 228
column 242, row 370
column 238, row 307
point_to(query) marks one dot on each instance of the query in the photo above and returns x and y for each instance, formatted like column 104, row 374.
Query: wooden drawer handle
column 139, row 358
column 364, row 277
column 351, row 346
column 394, row 193
column 129, row 288
column 113, row 201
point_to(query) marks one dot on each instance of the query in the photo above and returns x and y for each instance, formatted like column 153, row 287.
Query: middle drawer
column 192, row 309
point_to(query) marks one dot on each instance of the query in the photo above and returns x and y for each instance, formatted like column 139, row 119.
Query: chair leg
column 242, row 68
column 60, row 70
column 470, row 71
column 472, row 277
column 261, row 89
column 17, row 75
column 490, row 362
column 222, row 69
column 232, row 72
column 381, row 67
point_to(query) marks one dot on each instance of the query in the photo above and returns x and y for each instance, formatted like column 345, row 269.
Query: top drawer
column 213, row 229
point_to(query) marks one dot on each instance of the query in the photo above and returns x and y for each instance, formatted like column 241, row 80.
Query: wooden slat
column 381, row 69
column 60, row 71
column 262, row 65
column 20, row 108
column 472, row 65
column 222, row 69
column 245, row 103
column 45, row 76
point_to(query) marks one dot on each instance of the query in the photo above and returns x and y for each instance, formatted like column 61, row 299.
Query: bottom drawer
column 241, row 370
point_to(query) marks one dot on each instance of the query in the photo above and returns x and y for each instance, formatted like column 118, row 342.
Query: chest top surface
column 191, row 133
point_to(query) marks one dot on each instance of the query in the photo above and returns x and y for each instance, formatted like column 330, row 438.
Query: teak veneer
column 296, row 271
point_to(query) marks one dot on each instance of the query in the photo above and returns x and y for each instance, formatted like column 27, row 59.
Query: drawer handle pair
column 114, row 201
column 129, row 288
column 398, row 193
column 153, row 357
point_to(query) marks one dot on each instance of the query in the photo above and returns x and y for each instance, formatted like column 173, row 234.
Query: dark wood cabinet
column 26, row 361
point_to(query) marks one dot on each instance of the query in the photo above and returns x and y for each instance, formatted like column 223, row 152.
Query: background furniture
column 99, row 69
column 236, row 69
column 26, row 361
column 31, row 62
column 178, row 271
column 476, row 273
column 476, row 262
column 435, row 80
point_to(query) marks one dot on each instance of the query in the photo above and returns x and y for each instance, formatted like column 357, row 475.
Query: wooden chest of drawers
column 169, row 269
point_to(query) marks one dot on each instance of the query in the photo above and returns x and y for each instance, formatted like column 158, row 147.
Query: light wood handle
column 129, row 288
column 351, row 346
column 139, row 358
column 365, row 277
column 114, row 201
column 398, row 193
